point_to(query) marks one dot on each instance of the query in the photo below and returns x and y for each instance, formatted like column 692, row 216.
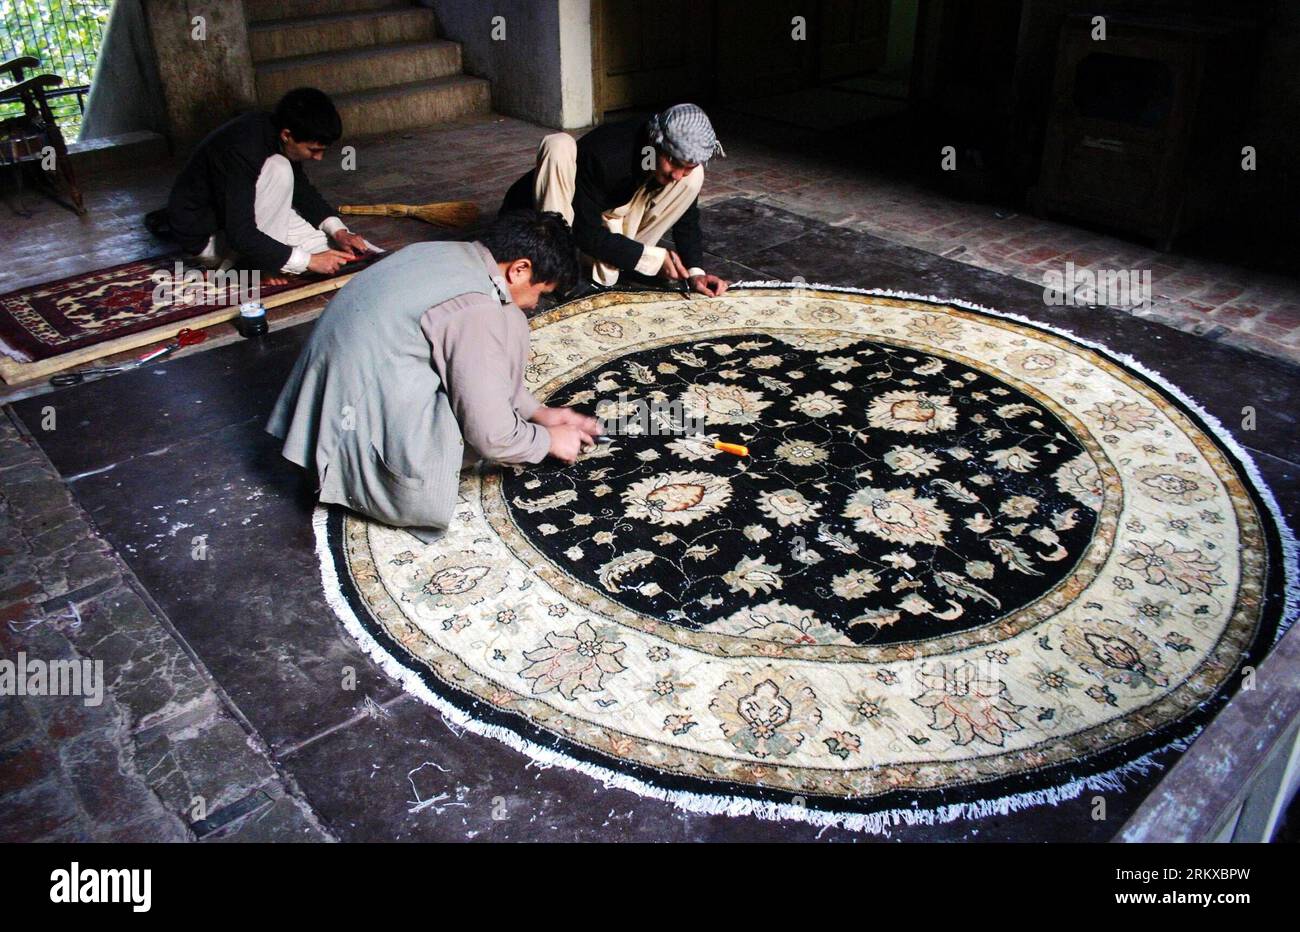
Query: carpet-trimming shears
column 186, row 337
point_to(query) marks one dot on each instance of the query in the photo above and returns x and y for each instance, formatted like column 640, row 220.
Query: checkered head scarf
column 685, row 133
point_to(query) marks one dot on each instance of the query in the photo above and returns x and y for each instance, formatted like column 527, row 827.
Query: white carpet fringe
column 879, row 823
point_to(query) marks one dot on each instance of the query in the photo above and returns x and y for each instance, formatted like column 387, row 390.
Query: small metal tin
column 252, row 319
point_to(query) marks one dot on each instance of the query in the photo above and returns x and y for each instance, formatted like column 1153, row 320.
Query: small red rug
column 60, row 317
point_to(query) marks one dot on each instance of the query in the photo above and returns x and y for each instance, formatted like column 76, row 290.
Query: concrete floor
column 228, row 671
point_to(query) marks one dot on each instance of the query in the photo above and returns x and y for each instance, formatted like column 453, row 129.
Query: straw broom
column 442, row 213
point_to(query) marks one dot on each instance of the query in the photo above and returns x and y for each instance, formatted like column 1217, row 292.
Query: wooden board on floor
column 14, row 372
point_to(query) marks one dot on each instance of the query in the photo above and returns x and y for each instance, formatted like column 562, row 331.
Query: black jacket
column 216, row 188
column 609, row 172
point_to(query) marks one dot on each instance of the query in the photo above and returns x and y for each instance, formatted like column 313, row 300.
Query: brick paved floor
column 477, row 159
column 1255, row 310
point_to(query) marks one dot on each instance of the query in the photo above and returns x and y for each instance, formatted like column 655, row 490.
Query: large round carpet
column 971, row 564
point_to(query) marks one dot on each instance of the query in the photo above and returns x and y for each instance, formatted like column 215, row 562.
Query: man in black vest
column 243, row 196
column 623, row 186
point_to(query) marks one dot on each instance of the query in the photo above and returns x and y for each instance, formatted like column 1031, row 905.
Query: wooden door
column 758, row 54
column 649, row 54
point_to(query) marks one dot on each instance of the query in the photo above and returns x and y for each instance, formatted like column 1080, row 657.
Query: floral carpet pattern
column 967, row 559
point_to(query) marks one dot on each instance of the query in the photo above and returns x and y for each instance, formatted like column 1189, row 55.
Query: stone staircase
column 381, row 61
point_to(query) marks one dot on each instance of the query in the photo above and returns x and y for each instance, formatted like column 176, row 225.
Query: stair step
column 358, row 69
column 258, row 10
column 286, row 38
column 413, row 104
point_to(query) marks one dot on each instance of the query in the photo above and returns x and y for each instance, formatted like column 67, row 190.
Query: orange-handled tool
column 735, row 449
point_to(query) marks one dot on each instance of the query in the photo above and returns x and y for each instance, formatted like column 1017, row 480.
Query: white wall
column 576, row 91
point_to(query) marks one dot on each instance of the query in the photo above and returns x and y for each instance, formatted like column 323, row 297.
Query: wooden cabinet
column 1132, row 133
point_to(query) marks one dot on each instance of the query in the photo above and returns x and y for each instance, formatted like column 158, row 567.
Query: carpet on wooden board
column 971, row 565
column 60, row 324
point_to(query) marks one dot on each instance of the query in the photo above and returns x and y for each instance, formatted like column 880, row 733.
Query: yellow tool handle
column 735, row 448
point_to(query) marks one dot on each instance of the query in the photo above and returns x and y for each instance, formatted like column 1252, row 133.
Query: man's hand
column 570, row 431
column 350, row 242
column 567, row 441
column 328, row 262
column 709, row 285
column 673, row 268
column 555, row 417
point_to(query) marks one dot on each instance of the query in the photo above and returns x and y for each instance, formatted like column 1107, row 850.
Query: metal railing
column 66, row 36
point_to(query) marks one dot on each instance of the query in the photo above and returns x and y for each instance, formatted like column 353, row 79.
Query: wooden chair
column 23, row 138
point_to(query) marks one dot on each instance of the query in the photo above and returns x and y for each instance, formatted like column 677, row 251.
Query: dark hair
column 309, row 116
column 544, row 239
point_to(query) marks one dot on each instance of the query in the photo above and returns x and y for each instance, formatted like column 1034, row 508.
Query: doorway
column 816, row 65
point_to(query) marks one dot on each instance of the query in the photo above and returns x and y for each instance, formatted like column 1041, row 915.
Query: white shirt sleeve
column 297, row 263
column 652, row 260
column 331, row 225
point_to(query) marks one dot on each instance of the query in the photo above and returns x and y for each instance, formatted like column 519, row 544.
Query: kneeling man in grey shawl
column 415, row 370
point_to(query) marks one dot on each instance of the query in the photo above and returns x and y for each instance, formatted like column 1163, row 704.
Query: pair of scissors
column 82, row 375
column 186, row 337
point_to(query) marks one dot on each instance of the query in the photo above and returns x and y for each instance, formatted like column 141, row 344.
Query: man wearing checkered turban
column 623, row 187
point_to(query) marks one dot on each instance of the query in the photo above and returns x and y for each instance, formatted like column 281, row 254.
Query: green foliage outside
column 65, row 35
